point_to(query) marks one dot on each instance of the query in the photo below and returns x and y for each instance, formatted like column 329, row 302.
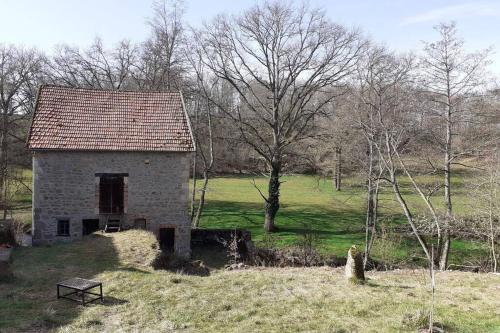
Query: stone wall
column 64, row 185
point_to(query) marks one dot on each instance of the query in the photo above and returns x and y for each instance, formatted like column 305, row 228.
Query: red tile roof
column 90, row 119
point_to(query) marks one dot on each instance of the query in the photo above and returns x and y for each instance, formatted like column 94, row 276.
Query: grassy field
column 308, row 203
column 139, row 299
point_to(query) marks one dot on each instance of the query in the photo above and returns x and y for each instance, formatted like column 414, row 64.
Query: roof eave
column 188, row 121
column 110, row 150
column 33, row 115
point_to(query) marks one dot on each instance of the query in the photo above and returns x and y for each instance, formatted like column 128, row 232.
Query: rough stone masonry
column 65, row 188
column 81, row 138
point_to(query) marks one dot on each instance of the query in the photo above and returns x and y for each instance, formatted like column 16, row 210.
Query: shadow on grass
column 228, row 213
column 133, row 270
column 376, row 284
column 289, row 221
column 29, row 302
column 112, row 301
column 302, row 231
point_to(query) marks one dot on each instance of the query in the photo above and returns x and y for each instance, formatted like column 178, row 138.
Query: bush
column 10, row 230
column 307, row 244
column 385, row 246
column 292, row 257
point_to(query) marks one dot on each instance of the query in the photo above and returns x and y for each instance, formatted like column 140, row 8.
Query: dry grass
column 139, row 299
column 135, row 247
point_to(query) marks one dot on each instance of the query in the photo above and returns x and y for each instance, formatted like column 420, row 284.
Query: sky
column 401, row 25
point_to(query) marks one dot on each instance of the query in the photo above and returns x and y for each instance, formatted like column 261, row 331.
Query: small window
column 62, row 227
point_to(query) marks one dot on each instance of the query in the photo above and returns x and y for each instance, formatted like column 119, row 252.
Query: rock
column 354, row 267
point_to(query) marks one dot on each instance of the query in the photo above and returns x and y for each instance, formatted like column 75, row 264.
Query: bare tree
column 208, row 162
column 20, row 71
column 385, row 119
column 282, row 62
column 94, row 67
column 365, row 98
column 161, row 61
column 206, row 89
column 450, row 77
column 373, row 174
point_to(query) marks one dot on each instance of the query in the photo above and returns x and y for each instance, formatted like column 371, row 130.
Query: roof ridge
column 51, row 85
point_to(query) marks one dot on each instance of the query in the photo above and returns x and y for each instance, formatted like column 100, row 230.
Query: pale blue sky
column 400, row 24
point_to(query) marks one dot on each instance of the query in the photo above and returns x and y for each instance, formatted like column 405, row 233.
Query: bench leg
column 58, row 295
column 100, row 288
column 83, row 298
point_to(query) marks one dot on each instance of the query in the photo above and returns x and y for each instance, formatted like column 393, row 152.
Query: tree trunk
column 445, row 250
column 371, row 207
column 193, row 193
column 447, row 184
column 430, row 206
column 4, row 163
column 201, row 203
column 371, row 220
column 447, row 170
column 409, row 216
column 273, row 200
column 337, row 177
column 446, row 242
column 492, row 232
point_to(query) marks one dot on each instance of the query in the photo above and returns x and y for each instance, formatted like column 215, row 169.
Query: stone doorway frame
column 97, row 182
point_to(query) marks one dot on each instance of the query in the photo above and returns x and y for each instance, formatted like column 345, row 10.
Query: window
column 62, row 227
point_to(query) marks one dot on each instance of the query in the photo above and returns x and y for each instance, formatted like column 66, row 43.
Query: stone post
column 354, row 266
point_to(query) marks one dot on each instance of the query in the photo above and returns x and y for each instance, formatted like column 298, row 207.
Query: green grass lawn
column 309, row 203
column 139, row 299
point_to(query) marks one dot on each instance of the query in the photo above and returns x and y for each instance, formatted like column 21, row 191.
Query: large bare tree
column 282, row 62
column 450, row 77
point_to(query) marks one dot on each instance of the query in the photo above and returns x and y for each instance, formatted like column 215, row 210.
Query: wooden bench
column 80, row 287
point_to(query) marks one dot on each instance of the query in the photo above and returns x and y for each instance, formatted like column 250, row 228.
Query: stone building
column 110, row 160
